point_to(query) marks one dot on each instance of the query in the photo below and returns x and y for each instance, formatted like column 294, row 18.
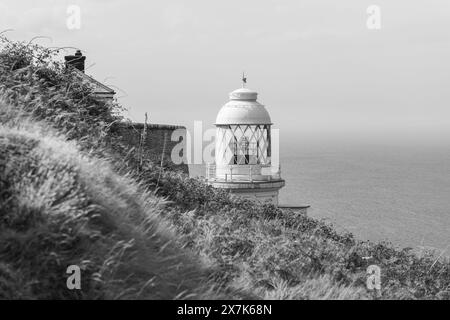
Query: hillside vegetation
column 70, row 193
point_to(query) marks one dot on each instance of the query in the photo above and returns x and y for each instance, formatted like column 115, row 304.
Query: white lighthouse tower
column 243, row 155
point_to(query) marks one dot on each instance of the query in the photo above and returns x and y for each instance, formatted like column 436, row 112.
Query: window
column 235, row 151
column 245, row 149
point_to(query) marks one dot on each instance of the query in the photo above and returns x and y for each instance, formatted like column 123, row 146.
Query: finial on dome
column 244, row 80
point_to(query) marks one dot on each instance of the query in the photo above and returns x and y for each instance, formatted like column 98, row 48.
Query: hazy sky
column 317, row 67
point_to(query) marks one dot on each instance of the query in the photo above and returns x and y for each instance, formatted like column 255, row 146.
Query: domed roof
column 243, row 109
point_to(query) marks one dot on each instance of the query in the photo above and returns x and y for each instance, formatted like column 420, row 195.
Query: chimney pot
column 76, row 61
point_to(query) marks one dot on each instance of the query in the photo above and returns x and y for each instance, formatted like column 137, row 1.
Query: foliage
column 42, row 88
column 266, row 245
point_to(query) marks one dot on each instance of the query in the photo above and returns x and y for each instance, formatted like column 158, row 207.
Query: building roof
column 243, row 109
column 98, row 88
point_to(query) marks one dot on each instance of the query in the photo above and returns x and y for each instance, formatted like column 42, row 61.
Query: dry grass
column 59, row 207
column 319, row 288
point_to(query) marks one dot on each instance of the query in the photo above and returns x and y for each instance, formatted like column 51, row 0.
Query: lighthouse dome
column 242, row 108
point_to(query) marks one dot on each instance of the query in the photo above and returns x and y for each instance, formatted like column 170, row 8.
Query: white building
column 243, row 156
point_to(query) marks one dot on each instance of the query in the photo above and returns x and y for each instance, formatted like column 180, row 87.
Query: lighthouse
column 243, row 154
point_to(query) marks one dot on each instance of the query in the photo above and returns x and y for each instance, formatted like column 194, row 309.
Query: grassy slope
column 65, row 201
column 278, row 253
column 59, row 207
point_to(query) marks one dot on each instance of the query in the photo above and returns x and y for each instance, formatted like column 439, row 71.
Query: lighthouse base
column 264, row 197
column 261, row 191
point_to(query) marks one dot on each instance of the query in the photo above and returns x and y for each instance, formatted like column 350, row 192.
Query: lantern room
column 243, row 153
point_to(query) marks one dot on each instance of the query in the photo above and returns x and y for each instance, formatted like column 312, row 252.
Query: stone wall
column 157, row 143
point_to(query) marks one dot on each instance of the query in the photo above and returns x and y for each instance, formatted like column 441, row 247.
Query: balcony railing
column 242, row 173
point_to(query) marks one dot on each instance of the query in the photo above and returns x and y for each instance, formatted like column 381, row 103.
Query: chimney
column 76, row 61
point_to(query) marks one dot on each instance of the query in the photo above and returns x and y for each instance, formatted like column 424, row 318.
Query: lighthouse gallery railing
column 249, row 173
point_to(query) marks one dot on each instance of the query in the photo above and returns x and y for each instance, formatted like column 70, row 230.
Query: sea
column 399, row 194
